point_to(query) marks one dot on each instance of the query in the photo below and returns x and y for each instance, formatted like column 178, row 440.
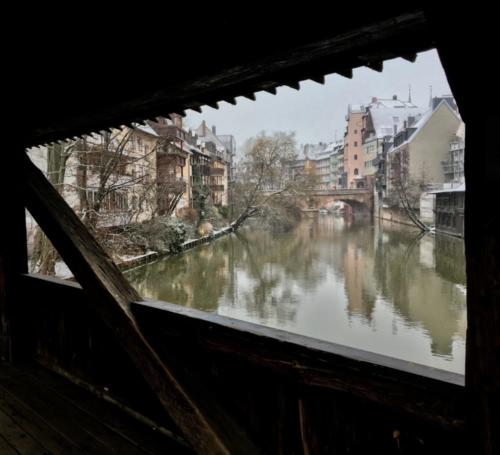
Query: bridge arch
column 361, row 201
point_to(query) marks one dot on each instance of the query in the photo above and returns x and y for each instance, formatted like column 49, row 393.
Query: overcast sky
column 317, row 112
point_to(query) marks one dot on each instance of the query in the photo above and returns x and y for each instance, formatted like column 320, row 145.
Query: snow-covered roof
column 146, row 129
column 423, row 121
column 205, row 134
column 391, row 103
column 385, row 118
column 356, row 108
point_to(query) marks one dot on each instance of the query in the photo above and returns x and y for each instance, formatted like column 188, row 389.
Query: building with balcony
column 336, row 164
column 221, row 150
column 415, row 159
column 382, row 119
column 453, row 166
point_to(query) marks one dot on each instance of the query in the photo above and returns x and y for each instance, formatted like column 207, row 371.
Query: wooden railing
column 291, row 393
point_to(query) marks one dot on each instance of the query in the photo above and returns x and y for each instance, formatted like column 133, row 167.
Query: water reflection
column 378, row 287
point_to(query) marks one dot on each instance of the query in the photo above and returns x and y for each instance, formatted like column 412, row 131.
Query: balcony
column 216, row 171
column 452, row 167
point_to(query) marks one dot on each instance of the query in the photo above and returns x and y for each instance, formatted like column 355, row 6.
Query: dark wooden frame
column 465, row 57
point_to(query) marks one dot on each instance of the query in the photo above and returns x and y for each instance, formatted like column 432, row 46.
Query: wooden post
column 208, row 429
column 14, row 340
column 467, row 58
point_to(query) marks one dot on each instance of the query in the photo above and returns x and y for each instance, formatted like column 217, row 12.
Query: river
column 375, row 286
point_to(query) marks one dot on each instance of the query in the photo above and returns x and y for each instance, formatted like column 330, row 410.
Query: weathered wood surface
column 208, row 429
column 14, row 339
column 42, row 413
column 275, row 56
column 293, row 394
column 467, row 61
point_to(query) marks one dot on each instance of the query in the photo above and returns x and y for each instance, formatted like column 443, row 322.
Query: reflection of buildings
column 421, row 296
column 450, row 259
column 358, row 269
column 268, row 278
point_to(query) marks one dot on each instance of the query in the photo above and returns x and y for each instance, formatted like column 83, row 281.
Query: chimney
column 394, row 97
column 177, row 120
column 214, row 130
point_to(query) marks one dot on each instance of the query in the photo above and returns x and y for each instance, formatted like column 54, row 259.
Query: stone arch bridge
column 360, row 199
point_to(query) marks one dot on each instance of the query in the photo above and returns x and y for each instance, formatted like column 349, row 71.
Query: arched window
column 356, row 172
column 355, row 157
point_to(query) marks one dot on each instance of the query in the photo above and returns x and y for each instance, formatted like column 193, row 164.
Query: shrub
column 165, row 235
column 188, row 215
column 224, row 211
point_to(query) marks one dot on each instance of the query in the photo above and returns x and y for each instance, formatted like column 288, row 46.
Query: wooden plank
column 6, row 448
column 14, row 338
column 26, row 418
column 430, row 394
column 67, row 418
column 57, row 418
column 137, row 433
column 111, row 295
column 467, row 63
column 18, row 437
column 48, row 405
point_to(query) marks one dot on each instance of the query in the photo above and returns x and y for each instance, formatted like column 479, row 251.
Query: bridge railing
column 344, row 191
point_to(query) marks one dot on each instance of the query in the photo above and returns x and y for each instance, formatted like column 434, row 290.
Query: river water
column 375, row 286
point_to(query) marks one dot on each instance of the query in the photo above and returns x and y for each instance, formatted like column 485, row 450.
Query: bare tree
column 264, row 176
column 406, row 189
column 44, row 256
column 112, row 181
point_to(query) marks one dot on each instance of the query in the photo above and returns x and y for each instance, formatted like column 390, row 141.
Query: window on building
column 355, row 143
column 356, row 171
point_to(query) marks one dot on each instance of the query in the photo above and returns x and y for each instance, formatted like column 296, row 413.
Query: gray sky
column 317, row 112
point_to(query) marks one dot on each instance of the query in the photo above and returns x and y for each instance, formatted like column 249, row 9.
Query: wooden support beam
column 468, row 64
column 207, row 430
column 14, row 339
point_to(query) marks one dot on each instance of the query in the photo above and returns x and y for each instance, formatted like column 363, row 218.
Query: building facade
column 354, row 163
column 418, row 150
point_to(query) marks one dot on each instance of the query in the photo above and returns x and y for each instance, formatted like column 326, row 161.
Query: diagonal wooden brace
column 207, row 429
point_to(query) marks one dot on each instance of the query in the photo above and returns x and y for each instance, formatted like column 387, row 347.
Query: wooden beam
column 319, row 79
column 143, row 94
column 467, row 61
column 345, row 72
column 207, row 430
column 430, row 394
column 14, row 336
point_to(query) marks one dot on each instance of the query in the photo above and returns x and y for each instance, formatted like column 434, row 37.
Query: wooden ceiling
column 73, row 82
